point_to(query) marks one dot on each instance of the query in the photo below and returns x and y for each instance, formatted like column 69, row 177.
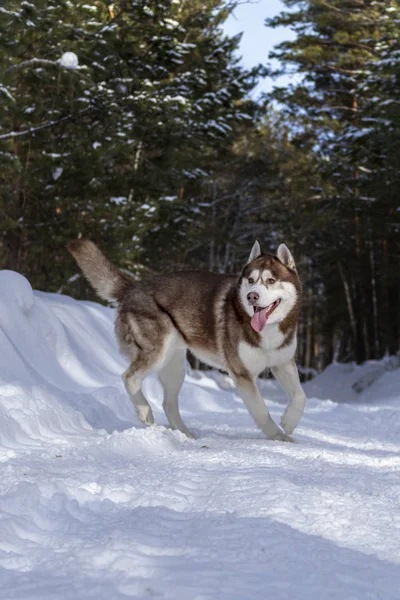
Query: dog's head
column 269, row 286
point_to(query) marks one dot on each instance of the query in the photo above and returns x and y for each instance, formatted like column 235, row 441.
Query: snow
column 118, row 199
column 93, row 505
column 57, row 173
column 69, row 60
column 5, row 91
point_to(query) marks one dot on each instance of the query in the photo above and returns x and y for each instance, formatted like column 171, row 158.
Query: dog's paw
column 183, row 429
column 145, row 414
column 290, row 418
column 189, row 434
column 280, row 436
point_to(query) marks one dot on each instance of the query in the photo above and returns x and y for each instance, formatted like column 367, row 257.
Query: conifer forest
column 134, row 123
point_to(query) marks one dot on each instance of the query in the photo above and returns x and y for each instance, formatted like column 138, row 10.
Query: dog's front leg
column 250, row 395
column 288, row 377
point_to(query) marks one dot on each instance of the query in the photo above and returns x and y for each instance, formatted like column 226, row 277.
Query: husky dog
column 242, row 325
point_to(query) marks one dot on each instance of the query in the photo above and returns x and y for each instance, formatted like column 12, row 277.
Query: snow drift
column 93, row 505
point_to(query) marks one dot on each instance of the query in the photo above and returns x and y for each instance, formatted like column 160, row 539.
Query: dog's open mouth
column 261, row 315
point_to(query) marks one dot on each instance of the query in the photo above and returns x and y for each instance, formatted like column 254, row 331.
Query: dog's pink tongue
column 259, row 319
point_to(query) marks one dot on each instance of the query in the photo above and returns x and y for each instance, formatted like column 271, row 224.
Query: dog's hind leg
column 171, row 377
column 148, row 338
column 288, row 377
column 132, row 379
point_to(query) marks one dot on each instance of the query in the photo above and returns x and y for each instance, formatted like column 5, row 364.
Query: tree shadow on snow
column 157, row 552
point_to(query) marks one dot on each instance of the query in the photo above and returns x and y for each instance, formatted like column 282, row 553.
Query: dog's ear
column 284, row 255
column 255, row 251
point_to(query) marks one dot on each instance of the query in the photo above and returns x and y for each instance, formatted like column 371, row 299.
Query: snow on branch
column 32, row 61
column 5, row 91
column 68, row 60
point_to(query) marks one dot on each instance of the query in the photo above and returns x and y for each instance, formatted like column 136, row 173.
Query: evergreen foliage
column 155, row 99
column 152, row 148
column 347, row 54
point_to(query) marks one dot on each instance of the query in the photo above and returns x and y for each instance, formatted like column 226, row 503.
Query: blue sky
column 258, row 40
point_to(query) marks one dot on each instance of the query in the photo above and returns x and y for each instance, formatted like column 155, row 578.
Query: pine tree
column 338, row 44
column 375, row 146
column 155, row 97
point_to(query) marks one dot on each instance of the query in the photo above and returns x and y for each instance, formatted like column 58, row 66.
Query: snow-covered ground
column 93, row 505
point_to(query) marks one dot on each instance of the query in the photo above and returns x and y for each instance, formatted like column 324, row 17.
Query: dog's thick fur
column 215, row 317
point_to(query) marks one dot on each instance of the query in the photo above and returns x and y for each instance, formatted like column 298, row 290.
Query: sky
column 258, row 40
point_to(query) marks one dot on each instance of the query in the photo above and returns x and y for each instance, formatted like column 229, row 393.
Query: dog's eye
column 251, row 280
column 270, row 281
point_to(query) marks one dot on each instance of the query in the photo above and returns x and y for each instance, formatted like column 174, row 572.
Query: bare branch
column 327, row 108
column 31, row 130
column 345, row 45
column 345, row 11
column 345, row 71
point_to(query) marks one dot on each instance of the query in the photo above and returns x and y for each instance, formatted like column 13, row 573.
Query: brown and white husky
column 241, row 324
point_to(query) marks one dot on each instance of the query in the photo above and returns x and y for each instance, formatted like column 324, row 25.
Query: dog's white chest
column 269, row 354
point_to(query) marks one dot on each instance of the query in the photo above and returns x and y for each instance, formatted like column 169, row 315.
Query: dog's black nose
column 253, row 297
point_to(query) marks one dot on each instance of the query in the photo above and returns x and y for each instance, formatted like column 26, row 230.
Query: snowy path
column 94, row 506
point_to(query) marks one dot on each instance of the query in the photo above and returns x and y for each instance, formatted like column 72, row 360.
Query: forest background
column 155, row 147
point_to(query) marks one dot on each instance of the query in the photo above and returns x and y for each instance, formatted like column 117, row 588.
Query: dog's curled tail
column 107, row 280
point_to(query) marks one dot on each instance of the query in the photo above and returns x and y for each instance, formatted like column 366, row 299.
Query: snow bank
column 371, row 382
column 93, row 505
column 58, row 367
